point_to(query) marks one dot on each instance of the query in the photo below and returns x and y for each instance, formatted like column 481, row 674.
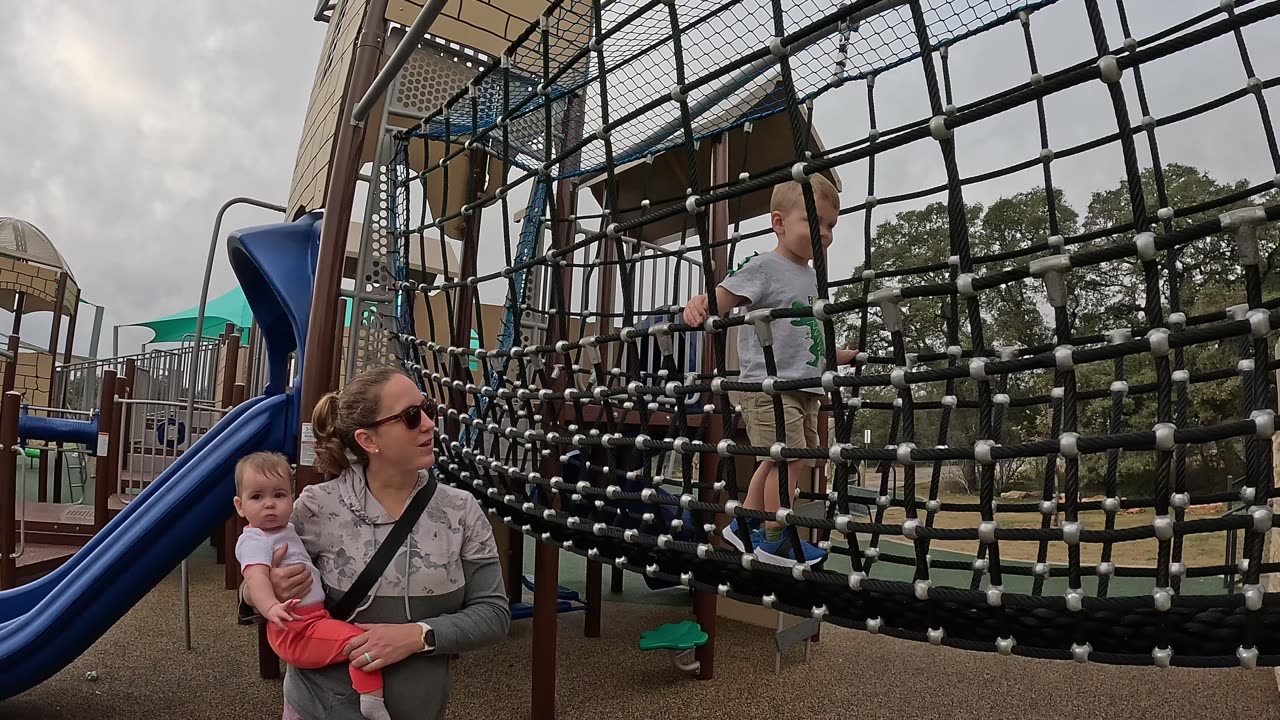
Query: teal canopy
column 230, row 307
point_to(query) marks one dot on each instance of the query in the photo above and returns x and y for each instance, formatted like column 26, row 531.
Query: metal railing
column 155, row 435
column 161, row 375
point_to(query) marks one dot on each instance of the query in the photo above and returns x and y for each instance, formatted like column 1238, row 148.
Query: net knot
column 938, row 128
column 1109, row 69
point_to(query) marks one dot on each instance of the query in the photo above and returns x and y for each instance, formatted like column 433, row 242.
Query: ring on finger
column 368, row 660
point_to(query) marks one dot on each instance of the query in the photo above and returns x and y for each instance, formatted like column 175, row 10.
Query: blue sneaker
column 779, row 552
column 730, row 534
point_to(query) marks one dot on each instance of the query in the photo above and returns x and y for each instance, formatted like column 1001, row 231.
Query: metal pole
column 426, row 16
column 194, row 370
column 186, row 601
column 193, row 375
column 115, row 341
column 97, row 330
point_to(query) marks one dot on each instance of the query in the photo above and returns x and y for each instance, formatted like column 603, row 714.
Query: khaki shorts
column 799, row 413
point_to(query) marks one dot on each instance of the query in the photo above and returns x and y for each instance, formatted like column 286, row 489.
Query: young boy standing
column 781, row 278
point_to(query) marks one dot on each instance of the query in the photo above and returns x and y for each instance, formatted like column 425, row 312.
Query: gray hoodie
column 447, row 575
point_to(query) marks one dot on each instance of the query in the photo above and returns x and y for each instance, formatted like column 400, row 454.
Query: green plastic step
column 674, row 636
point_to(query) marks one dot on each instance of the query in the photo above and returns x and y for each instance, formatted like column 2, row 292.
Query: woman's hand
column 289, row 583
column 846, row 357
column 384, row 645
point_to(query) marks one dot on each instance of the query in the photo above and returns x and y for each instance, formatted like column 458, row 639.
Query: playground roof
column 24, row 241
column 767, row 147
column 230, row 307
column 31, row 268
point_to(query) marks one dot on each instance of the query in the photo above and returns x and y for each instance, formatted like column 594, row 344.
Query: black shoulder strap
column 359, row 590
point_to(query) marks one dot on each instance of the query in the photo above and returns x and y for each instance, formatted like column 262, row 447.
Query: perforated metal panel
column 432, row 76
column 372, row 317
column 438, row 69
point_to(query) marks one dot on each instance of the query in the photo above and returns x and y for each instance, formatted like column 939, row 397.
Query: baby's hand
column 696, row 311
column 281, row 613
column 846, row 357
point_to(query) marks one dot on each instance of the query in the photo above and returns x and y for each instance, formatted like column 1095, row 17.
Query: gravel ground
column 144, row 672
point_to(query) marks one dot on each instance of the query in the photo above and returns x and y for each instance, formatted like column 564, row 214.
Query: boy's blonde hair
column 789, row 195
column 269, row 464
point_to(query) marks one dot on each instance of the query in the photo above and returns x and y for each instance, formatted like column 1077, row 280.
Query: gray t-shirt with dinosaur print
column 768, row 280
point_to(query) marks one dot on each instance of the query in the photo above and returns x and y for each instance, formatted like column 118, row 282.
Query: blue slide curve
column 46, row 624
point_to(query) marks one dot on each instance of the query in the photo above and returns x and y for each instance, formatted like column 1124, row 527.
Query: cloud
column 130, row 122
column 136, row 121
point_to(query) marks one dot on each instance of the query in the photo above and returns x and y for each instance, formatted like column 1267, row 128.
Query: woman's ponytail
column 337, row 417
column 331, row 451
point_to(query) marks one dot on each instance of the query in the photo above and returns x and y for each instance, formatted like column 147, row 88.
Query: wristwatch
column 428, row 638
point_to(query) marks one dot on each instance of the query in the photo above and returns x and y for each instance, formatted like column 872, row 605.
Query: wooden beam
column 9, row 490
column 704, row 603
column 102, row 483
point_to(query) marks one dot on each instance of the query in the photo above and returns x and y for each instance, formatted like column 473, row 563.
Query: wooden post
column 11, row 367
column 1271, row 541
column 60, row 296
column 230, row 364
column 464, row 309
column 62, row 401
column 546, row 557
column 712, row 346
column 515, row 565
column 604, row 326
column 615, row 581
column 268, row 662
column 232, row 525
column 316, row 380
column 9, row 489
column 18, row 306
column 337, row 346
column 126, row 430
column 42, row 476
column 55, row 329
column 102, row 485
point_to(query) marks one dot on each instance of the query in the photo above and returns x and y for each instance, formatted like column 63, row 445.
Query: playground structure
column 181, row 506
column 591, row 419
column 562, row 429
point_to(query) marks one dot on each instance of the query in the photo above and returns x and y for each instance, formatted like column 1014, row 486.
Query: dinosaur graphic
column 817, row 346
column 742, row 264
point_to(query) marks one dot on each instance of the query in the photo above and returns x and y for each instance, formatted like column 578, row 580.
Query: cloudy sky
column 128, row 123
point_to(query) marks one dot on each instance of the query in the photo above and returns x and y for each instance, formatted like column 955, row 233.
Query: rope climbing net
column 602, row 423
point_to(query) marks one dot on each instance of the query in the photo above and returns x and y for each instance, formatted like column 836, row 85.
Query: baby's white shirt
column 255, row 547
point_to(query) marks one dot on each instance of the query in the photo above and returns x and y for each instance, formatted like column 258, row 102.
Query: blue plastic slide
column 145, row 547
column 48, row 623
column 15, row 602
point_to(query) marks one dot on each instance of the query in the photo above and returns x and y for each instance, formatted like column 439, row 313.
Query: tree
column 1204, row 276
column 1011, row 314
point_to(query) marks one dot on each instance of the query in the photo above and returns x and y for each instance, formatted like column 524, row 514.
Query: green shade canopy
column 230, row 307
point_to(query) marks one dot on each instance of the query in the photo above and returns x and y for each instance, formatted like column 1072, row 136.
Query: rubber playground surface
column 143, row 671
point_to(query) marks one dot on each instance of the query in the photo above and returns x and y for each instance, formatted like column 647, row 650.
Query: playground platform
column 55, row 531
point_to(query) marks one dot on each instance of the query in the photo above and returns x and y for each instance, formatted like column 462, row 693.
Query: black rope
column 597, row 438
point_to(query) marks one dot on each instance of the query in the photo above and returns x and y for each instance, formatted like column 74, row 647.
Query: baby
column 301, row 632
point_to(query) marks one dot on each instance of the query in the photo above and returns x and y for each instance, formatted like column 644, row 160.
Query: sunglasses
column 410, row 416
